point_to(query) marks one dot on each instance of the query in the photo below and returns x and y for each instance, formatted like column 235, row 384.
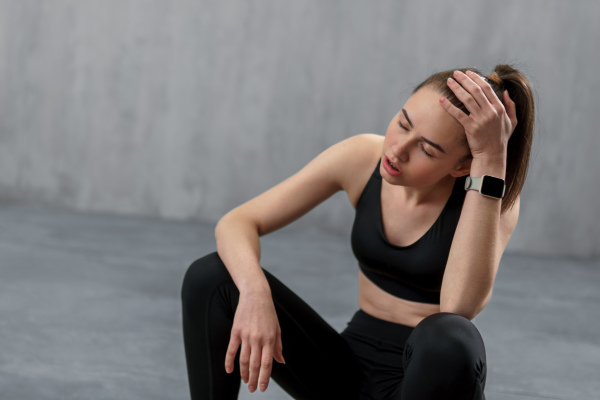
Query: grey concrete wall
column 186, row 109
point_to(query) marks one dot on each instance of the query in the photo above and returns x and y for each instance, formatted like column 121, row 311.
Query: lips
column 391, row 162
column 388, row 168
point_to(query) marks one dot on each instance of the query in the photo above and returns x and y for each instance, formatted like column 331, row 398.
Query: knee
column 444, row 356
column 202, row 276
column 448, row 336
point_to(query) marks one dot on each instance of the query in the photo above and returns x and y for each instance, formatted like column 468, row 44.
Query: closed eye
column 422, row 148
column 426, row 153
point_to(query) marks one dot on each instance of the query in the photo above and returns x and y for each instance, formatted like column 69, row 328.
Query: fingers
column 491, row 97
column 279, row 349
column 255, row 359
column 460, row 116
column 234, row 343
column 479, row 98
column 244, row 361
column 254, row 362
column 470, row 94
column 266, row 364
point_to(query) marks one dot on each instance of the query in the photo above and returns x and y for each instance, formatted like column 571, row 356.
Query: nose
column 401, row 149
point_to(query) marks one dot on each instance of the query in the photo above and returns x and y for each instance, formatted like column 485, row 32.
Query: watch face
column 492, row 186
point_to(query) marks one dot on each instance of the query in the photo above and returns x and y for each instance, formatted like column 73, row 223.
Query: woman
column 428, row 251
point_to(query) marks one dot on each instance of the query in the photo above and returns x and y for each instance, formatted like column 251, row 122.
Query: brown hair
column 504, row 77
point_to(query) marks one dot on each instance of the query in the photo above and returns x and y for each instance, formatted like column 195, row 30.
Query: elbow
column 222, row 224
column 226, row 219
column 467, row 308
column 468, row 311
column 234, row 220
column 222, row 221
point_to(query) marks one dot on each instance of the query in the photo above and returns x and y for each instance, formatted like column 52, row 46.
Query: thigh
column 378, row 345
column 319, row 362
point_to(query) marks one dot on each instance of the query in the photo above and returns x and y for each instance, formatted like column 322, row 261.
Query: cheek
column 388, row 139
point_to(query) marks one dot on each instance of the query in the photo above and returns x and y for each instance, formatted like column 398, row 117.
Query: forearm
column 474, row 254
column 238, row 246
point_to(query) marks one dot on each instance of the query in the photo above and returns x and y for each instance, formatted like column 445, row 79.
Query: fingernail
column 263, row 386
column 450, row 81
column 251, row 388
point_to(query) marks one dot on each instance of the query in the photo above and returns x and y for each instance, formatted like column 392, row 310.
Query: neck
column 416, row 196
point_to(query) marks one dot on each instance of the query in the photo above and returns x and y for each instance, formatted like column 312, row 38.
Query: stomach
column 380, row 304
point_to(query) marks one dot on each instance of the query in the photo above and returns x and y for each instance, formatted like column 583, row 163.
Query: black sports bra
column 412, row 272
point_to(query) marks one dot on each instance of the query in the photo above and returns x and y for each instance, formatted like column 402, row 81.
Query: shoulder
column 361, row 145
column 357, row 155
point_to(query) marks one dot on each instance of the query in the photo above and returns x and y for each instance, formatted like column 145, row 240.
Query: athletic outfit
column 412, row 272
column 443, row 357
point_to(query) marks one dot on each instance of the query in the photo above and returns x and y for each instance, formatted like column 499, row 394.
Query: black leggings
column 443, row 357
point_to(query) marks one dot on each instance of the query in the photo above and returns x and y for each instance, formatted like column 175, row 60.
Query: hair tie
column 495, row 78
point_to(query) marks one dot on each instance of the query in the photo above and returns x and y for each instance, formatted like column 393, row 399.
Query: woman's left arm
column 482, row 231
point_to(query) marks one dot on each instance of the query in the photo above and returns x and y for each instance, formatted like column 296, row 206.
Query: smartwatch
column 487, row 185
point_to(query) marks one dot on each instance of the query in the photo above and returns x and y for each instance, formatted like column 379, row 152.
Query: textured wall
column 186, row 109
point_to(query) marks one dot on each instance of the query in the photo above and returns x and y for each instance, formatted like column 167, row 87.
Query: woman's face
column 424, row 142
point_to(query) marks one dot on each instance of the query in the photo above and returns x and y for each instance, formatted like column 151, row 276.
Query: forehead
column 431, row 120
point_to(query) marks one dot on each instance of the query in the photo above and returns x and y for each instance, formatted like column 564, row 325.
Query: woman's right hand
column 256, row 328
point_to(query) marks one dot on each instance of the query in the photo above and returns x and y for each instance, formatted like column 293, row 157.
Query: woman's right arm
column 237, row 234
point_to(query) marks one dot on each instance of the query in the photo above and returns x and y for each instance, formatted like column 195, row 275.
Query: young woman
column 428, row 252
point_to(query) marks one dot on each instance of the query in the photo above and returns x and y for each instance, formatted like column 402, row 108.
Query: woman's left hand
column 490, row 124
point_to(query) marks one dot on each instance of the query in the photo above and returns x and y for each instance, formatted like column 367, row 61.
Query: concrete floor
column 90, row 308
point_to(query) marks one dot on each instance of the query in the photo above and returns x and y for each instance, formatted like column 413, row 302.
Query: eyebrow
column 432, row 144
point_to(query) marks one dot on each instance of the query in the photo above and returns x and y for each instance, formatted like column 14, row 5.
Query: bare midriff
column 380, row 304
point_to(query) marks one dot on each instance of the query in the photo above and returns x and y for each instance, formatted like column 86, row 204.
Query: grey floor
column 90, row 308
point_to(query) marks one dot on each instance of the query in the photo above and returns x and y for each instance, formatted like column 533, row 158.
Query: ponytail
column 519, row 145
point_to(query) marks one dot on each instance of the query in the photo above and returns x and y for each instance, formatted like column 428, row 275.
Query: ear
column 462, row 169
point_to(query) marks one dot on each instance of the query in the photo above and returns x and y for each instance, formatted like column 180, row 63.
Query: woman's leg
column 319, row 362
column 444, row 358
column 379, row 346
